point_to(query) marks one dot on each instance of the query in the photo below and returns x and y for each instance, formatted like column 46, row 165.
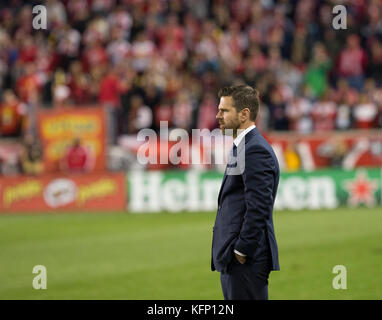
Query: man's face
column 227, row 116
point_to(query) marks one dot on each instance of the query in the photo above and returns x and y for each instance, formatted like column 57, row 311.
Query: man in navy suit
column 244, row 248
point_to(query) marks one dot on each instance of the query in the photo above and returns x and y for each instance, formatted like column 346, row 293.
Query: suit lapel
column 221, row 187
column 247, row 137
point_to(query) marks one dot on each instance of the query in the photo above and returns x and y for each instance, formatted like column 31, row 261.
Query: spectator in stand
column 375, row 63
column 256, row 60
column 345, row 97
column 377, row 98
column 332, row 44
column 316, row 75
column 12, row 114
column 109, row 92
column 344, row 119
column 163, row 113
column 79, row 13
column 232, row 45
column 352, row 61
column 206, row 54
column 94, row 55
column 345, row 92
column 298, row 47
column 182, row 111
column 32, row 162
column 79, row 85
column 60, row 88
column 68, row 45
column 324, row 112
column 57, row 13
column 171, row 42
column 274, row 59
column 77, row 158
column 142, row 50
column 109, row 97
column 28, row 51
column 119, row 48
column 28, row 84
column 298, row 111
column 371, row 90
column 140, row 116
column 152, row 95
column 262, row 121
column 277, row 108
column 120, row 19
column 102, row 7
column 373, row 15
column 365, row 112
column 291, row 76
column 379, row 117
column 97, row 31
column 96, row 76
column 207, row 112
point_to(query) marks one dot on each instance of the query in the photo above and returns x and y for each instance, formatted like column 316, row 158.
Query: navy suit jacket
column 244, row 220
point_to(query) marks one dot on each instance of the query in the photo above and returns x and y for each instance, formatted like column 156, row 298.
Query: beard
column 230, row 128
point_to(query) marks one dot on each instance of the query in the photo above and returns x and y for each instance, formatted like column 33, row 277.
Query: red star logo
column 361, row 190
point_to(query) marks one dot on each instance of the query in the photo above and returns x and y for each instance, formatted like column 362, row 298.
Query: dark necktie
column 232, row 161
column 234, row 150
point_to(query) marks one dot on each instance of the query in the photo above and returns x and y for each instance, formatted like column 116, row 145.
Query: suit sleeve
column 258, row 178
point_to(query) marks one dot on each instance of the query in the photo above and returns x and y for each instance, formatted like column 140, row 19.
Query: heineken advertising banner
column 176, row 191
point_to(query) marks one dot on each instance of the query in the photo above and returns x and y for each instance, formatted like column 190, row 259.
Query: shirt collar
column 242, row 135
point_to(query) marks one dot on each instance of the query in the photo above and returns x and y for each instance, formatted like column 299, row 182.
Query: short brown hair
column 243, row 96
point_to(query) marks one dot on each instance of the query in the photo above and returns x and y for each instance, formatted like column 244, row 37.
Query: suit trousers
column 248, row 281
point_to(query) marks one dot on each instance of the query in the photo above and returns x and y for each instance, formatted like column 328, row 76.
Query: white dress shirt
column 242, row 135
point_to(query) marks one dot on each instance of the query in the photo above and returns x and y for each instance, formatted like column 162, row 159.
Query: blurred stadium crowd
column 146, row 61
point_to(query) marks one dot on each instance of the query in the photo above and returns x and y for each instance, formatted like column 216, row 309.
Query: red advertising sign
column 348, row 150
column 105, row 191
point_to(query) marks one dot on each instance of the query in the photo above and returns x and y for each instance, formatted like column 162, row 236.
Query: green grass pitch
column 167, row 256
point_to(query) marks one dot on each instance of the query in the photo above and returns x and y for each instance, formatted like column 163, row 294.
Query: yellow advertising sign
column 22, row 191
column 69, row 125
column 98, row 189
column 59, row 128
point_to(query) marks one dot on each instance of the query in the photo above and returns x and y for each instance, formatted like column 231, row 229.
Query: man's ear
column 245, row 113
